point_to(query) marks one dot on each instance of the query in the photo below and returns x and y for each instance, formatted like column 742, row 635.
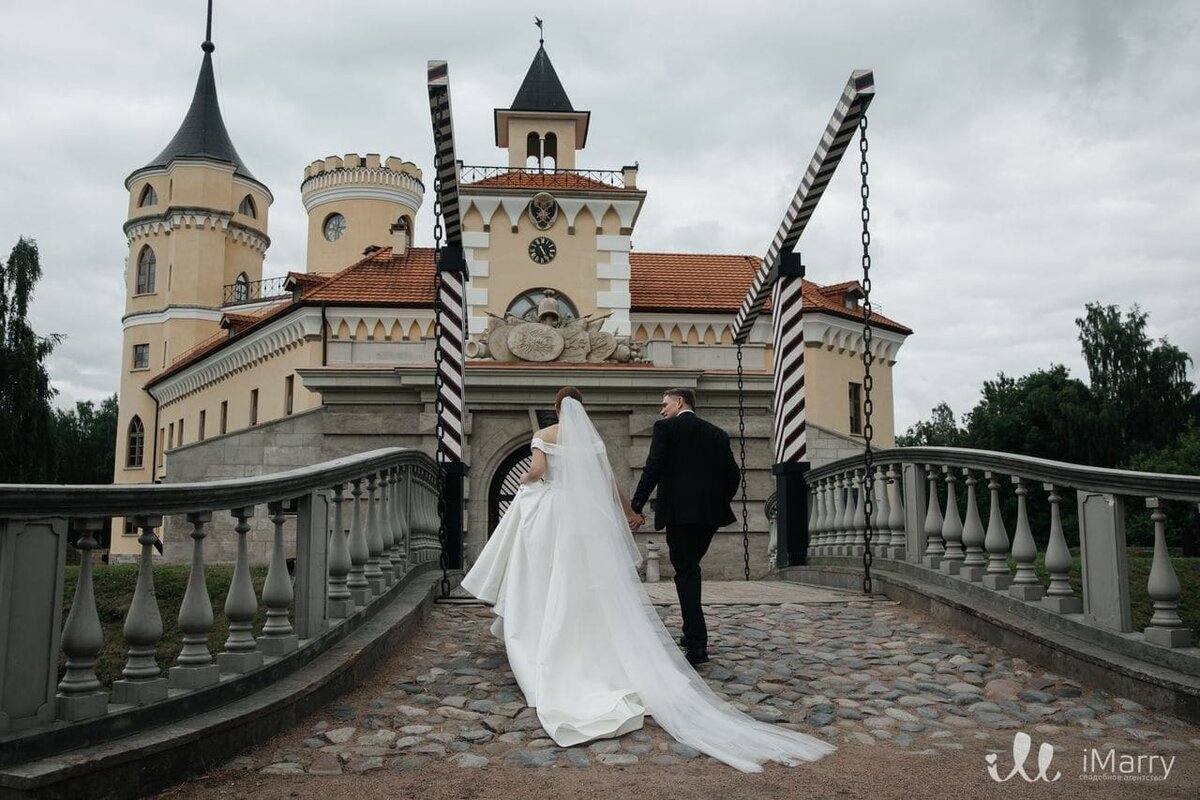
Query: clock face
column 335, row 226
column 542, row 250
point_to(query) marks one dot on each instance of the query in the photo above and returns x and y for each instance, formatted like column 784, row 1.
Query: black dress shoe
column 696, row 657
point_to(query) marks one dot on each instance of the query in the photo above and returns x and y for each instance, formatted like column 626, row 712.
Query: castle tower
column 196, row 227
column 541, row 129
column 356, row 201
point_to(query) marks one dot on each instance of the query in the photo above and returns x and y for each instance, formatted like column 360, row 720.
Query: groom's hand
column 636, row 521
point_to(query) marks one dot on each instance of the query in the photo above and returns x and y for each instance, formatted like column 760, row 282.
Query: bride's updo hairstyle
column 566, row 391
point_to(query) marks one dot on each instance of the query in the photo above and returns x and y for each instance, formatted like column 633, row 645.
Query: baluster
column 896, row 517
column 241, row 653
column 935, row 550
column 373, row 571
column 839, row 531
column 952, row 529
column 360, row 590
column 1060, row 596
column 973, row 564
column 341, row 604
column 995, row 542
column 1025, row 585
column 879, row 520
column 405, row 510
column 826, row 508
column 195, row 668
column 79, row 694
column 1165, row 628
column 385, row 531
column 141, row 681
column 396, row 555
column 859, row 520
column 810, row 551
column 278, row 638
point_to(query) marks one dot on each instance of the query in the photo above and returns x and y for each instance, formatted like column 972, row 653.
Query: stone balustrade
column 346, row 562
column 917, row 523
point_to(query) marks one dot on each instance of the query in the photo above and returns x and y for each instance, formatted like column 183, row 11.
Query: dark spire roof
column 203, row 134
column 542, row 90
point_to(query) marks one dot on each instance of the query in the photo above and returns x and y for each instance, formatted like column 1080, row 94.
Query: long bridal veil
column 678, row 699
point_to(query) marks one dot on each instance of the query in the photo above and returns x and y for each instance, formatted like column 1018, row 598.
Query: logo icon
column 543, row 210
column 1020, row 751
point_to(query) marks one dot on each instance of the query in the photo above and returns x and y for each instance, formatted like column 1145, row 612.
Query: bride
column 584, row 642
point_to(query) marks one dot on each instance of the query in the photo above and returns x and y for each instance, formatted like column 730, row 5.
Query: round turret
column 354, row 202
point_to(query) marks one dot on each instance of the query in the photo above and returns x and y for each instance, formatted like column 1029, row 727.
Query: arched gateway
column 505, row 483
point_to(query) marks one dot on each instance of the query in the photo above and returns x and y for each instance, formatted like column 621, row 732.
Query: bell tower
column 197, row 223
column 541, row 129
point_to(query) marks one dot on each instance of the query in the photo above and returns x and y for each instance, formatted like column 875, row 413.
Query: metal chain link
column 742, row 442
column 868, row 487
column 439, row 431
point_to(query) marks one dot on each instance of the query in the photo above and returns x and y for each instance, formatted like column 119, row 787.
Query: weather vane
column 208, row 45
column 541, row 31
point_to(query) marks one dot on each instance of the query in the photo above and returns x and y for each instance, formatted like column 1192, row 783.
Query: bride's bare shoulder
column 548, row 434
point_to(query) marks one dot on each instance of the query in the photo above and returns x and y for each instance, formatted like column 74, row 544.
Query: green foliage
column 26, row 418
column 940, row 430
column 84, row 438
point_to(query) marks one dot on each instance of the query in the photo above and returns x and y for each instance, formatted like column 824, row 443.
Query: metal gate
column 505, row 483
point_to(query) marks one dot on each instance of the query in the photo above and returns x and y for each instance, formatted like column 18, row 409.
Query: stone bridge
column 1006, row 606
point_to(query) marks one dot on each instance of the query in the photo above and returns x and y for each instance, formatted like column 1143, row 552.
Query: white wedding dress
column 584, row 642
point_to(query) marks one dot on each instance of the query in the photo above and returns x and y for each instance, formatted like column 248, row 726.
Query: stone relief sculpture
column 511, row 338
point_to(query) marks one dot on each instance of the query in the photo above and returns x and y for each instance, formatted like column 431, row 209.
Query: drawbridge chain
column 868, row 357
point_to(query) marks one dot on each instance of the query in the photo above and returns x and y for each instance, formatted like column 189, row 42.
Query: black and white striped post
column 782, row 274
column 451, row 316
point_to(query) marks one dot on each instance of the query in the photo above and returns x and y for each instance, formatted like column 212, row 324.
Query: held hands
column 636, row 520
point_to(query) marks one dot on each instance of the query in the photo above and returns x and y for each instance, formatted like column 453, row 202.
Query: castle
column 226, row 374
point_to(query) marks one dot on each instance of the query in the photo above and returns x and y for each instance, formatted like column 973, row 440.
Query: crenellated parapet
column 361, row 177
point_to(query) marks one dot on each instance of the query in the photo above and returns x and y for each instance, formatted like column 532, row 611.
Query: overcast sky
column 1026, row 157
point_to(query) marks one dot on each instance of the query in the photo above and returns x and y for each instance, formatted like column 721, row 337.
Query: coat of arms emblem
column 543, row 210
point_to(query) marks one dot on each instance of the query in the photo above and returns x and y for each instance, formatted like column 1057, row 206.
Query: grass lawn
column 114, row 593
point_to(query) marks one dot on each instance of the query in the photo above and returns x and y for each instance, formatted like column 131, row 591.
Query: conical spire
column 542, row 90
column 203, row 134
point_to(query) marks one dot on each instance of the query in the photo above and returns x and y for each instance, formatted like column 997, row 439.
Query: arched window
column 149, row 197
column 136, row 442
column 145, row 271
column 241, row 288
column 247, row 207
column 550, row 152
column 533, row 151
column 525, row 305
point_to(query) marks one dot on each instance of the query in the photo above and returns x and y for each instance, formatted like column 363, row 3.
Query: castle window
column 856, row 408
column 241, row 288
column 224, row 416
column 289, row 390
column 141, row 356
column 136, row 443
column 149, row 197
column 254, row 406
column 525, row 305
column 171, row 435
column 533, row 151
column 549, row 151
column 200, row 433
column 145, row 271
column 247, row 207
column 334, row 227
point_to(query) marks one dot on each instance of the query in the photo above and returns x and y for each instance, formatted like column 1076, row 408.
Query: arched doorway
column 505, row 483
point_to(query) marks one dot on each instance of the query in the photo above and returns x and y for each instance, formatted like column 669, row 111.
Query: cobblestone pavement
column 867, row 675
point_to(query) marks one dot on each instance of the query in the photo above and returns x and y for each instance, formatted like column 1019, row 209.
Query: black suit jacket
column 692, row 465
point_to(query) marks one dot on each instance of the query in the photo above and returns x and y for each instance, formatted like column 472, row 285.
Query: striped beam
column 443, row 136
column 452, row 321
column 857, row 95
column 451, row 268
column 790, row 418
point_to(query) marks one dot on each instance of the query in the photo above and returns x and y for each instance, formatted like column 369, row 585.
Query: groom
column 692, row 465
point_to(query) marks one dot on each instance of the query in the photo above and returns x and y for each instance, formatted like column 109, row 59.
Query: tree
column 84, row 439
column 1142, row 384
column 26, row 419
column 1046, row 414
column 940, row 430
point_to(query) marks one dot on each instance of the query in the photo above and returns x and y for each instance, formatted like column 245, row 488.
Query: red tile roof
column 382, row 278
column 521, row 179
column 704, row 283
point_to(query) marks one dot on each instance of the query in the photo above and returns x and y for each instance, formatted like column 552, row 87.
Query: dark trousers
column 687, row 545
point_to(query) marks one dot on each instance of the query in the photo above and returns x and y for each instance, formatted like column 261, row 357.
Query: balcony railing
column 240, row 292
column 951, row 511
column 361, row 526
column 534, row 177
